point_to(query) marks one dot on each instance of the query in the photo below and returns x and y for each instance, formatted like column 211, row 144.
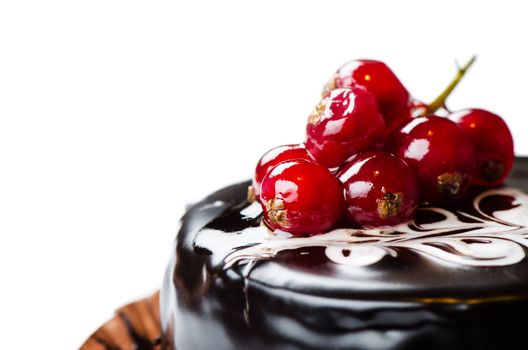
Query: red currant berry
column 439, row 152
column 376, row 77
column 273, row 157
column 380, row 190
column 493, row 145
column 344, row 123
column 301, row 197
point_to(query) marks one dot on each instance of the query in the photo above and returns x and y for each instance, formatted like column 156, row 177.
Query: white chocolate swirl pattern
column 475, row 237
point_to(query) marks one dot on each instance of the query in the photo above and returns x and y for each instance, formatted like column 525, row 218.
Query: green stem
column 440, row 101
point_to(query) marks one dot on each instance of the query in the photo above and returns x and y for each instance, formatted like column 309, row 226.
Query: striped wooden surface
column 135, row 326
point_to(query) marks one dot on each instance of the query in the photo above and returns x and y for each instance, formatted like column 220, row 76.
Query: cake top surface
column 473, row 250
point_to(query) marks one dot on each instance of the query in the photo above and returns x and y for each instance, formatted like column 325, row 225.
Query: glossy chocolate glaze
column 299, row 299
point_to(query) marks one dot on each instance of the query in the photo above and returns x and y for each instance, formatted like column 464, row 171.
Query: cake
column 431, row 255
column 426, row 295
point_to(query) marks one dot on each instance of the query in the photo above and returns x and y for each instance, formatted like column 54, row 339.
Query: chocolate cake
column 390, row 227
column 456, row 277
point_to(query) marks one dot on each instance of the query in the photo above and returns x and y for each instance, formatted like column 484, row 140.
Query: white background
column 115, row 114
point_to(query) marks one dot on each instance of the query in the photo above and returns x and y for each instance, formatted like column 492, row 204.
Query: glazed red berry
column 493, row 145
column 376, row 77
column 440, row 154
column 273, row 157
column 380, row 190
column 301, row 197
column 344, row 123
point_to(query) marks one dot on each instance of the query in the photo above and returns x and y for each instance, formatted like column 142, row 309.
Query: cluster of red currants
column 373, row 153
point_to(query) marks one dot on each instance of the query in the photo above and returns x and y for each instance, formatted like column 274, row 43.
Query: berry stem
column 440, row 101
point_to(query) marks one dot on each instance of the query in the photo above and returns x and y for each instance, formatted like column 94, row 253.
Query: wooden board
column 135, row 326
